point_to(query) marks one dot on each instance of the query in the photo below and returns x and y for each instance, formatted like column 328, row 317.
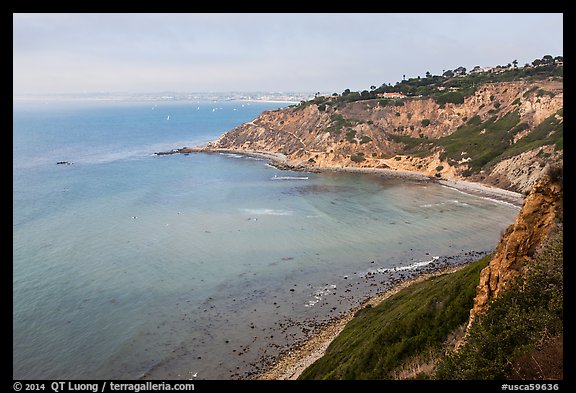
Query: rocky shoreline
column 294, row 360
column 280, row 161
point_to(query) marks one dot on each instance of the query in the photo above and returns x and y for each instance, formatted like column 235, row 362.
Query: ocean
column 128, row 265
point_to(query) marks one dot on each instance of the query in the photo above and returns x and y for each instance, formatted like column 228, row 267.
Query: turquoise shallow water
column 130, row 265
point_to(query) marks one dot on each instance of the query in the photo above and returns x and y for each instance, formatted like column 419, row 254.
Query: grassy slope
column 519, row 337
column 518, row 327
column 417, row 319
column 490, row 141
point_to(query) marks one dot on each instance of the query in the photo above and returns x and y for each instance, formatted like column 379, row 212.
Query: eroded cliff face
column 373, row 133
column 521, row 172
column 520, row 242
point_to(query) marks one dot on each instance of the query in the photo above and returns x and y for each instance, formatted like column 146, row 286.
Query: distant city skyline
column 138, row 53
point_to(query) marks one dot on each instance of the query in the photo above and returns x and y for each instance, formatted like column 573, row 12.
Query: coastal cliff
column 505, row 134
column 515, row 329
column 521, row 241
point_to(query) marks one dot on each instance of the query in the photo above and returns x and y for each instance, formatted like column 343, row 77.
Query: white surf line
column 499, row 201
column 319, row 294
column 412, row 266
column 289, row 177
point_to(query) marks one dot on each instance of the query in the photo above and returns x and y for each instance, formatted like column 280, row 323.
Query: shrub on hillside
column 452, row 97
column 519, row 321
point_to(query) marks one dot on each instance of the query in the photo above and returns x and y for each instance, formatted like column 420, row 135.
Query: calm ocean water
column 129, row 265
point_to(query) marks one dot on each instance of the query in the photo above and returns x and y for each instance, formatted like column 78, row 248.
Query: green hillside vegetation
column 337, row 122
column 488, row 142
column 475, row 146
column 549, row 132
column 451, row 97
column 482, row 142
column 517, row 327
column 413, row 322
column 465, row 84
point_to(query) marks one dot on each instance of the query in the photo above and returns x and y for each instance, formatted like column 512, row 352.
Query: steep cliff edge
column 521, row 241
column 516, row 326
column 505, row 134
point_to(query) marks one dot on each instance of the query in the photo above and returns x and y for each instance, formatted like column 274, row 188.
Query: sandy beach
column 478, row 189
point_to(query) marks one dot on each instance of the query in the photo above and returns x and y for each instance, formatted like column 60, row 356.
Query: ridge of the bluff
column 506, row 134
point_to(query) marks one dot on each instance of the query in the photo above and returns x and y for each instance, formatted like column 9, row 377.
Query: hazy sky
column 76, row 53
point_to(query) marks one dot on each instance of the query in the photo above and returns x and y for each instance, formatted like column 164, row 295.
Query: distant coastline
column 270, row 101
column 263, row 97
